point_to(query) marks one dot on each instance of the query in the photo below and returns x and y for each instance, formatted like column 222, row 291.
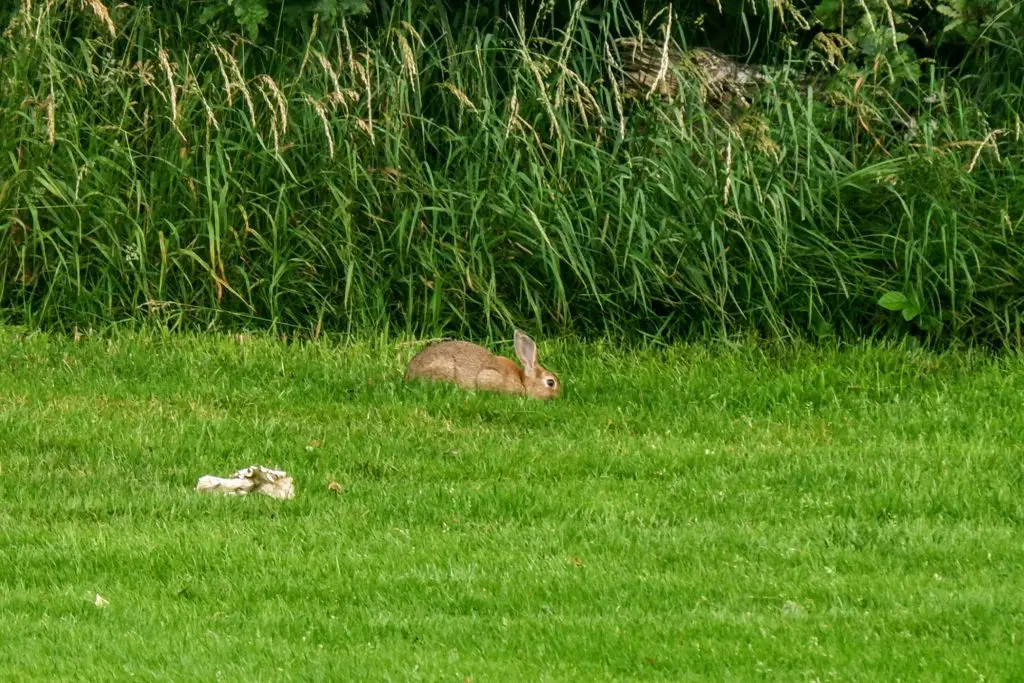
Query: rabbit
column 474, row 367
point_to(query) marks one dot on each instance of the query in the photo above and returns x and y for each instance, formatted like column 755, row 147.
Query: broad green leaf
column 894, row 301
column 912, row 309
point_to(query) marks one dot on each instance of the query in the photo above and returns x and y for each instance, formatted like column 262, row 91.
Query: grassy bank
column 683, row 513
column 428, row 176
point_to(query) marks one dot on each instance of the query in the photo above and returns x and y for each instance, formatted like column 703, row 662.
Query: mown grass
column 683, row 513
column 429, row 176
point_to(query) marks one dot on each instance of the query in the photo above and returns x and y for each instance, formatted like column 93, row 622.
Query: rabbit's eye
column 550, row 382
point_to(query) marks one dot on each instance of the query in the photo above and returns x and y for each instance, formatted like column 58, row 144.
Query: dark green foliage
column 256, row 17
column 412, row 174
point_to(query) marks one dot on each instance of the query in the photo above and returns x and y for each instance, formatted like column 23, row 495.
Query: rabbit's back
column 466, row 364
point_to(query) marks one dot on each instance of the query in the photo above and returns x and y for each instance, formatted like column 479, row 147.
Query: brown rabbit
column 474, row 367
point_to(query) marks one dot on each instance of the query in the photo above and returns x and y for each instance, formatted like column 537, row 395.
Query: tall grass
column 425, row 178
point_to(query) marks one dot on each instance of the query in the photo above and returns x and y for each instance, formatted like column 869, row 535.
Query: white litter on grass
column 100, row 601
column 273, row 483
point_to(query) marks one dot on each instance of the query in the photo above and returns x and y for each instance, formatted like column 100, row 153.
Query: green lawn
column 681, row 514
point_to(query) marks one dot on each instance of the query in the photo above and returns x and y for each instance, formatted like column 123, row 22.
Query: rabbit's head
column 537, row 381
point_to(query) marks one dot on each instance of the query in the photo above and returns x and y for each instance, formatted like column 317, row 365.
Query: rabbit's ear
column 527, row 352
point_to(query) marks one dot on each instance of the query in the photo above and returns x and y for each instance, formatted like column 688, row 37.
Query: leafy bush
column 411, row 173
column 256, row 17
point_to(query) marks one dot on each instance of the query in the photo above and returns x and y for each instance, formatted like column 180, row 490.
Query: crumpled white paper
column 273, row 483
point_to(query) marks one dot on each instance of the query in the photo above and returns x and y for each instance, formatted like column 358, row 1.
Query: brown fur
column 475, row 368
